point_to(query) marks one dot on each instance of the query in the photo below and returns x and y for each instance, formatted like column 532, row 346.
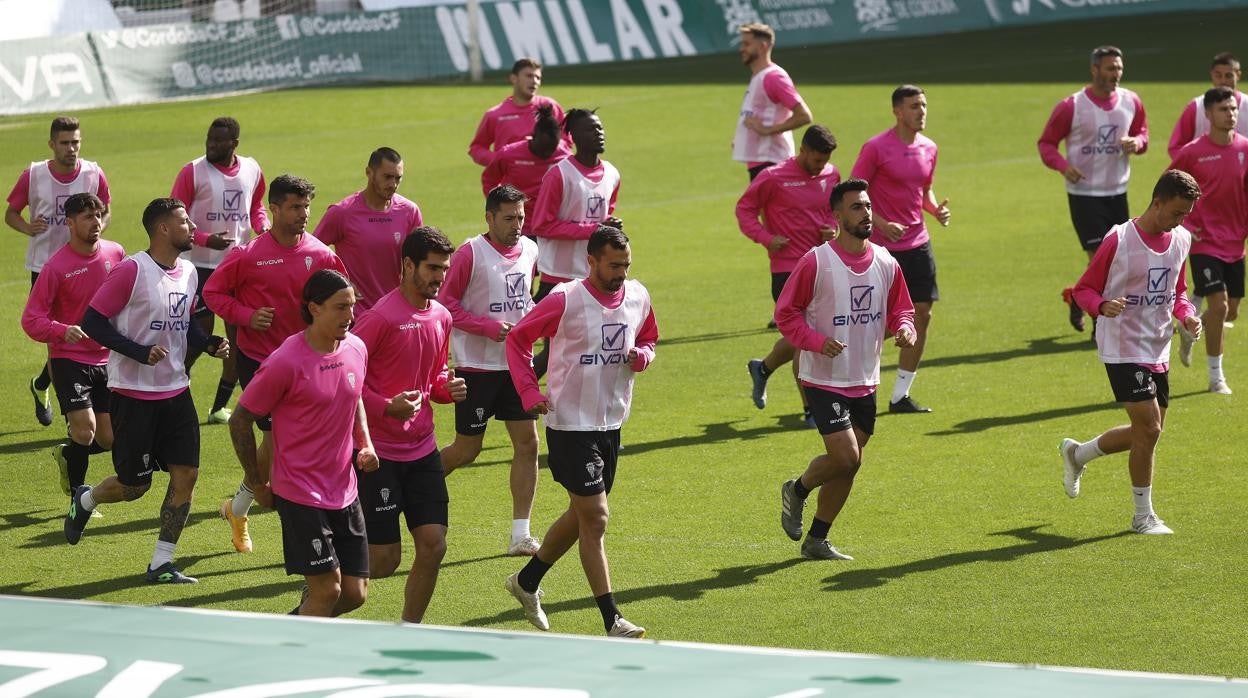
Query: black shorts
column 583, row 461
column 34, row 276
column 835, row 412
column 778, row 279
column 417, row 488
column 247, row 367
column 918, row 267
column 200, row 308
column 1093, row 216
column 543, row 289
column 153, row 434
column 490, row 394
column 756, row 170
column 316, row 541
column 80, row 386
column 1211, row 275
column 1135, row 383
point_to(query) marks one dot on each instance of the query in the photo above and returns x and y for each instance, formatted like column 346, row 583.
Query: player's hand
column 832, row 347
column 404, row 405
column 1113, row 308
column 74, row 334
column 614, row 222
column 827, row 232
column 1129, row 145
column 756, row 125
column 456, row 387
column 366, row 459
column 503, row 331
column 218, row 241
column 942, row 212
column 223, row 348
column 905, row 337
column 893, row 231
column 156, row 354
column 542, row 407
column 777, row 243
column 1193, row 326
column 36, row 227
column 1073, row 174
column 262, row 493
column 261, row 320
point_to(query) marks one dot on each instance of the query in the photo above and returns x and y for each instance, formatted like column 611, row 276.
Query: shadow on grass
column 36, row 449
column 1035, row 347
column 485, row 558
column 716, row 336
column 272, row 590
column 1033, row 543
column 23, row 519
column 86, row 590
column 143, row 525
column 983, row 424
column 725, row 578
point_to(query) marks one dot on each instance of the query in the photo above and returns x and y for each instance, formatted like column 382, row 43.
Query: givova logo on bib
column 1158, row 292
column 1106, row 141
column 861, row 302
column 177, row 322
column 614, row 340
column 231, row 207
column 517, row 289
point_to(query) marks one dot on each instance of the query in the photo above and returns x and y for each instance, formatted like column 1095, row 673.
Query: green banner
column 50, row 74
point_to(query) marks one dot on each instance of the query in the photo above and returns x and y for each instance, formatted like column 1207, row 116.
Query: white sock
column 519, row 529
column 1088, row 451
column 242, row 500
column 901, row 388
column 87, row 501
column 1143, row 497
column 1215, row 368
column 163, row 554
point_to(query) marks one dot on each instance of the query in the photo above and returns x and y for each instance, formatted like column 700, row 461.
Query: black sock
column 606, row 605
column 224, row 391
column 799, row 489
column 530, row 578
column 76, row 457
column 819, row 529
column 44, row 379
column 95, row 448
column 762, row 368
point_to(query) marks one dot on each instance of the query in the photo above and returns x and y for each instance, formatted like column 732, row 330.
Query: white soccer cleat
column 532, row 603
column 623, row 628
column 1071, row 471
column 1186, row 342
column 1219, row 387
column 525, row 547
column 1150, row 525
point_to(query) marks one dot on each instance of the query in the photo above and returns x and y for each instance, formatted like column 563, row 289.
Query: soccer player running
column 1218, row 161
column 602, row 332
column 899, row 164
column 848, row 277
column 1132, row 288
column 1193, row 122
column 772, row 108
column 311, row 385
column 523, row 164
column 259, row 288
column 44, row 186
column 511, row 120
column 1103, row 125
column 785, row 209
column 408, row 338
column 368, row 227
column 224, row 196
column 487, row 294
column 53, row 315
column 142, row 313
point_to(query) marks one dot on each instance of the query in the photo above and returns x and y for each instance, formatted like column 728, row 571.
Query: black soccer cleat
column 1076, row 313
column 78, row 516
column 43, row 404
column 168, row 574
column 907, row 405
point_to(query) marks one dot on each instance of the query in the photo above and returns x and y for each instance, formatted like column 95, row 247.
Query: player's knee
column 82, row 434
column 1217, row 306
column 431, row 549
column 383, row 564
column 593, row 525
column 351, row 597
column 1148, row 432
column 104, row 438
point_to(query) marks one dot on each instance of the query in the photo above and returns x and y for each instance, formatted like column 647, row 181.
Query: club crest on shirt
column 108, row 266
column 351, row 379
column 398, row 237
column 307, row 263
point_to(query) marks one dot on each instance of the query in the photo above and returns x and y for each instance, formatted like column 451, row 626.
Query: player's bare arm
column 14, row 219
column 366, row 459
column 244, row 440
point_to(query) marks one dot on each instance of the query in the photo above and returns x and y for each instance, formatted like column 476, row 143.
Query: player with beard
column 523, row 164
column 772, row 108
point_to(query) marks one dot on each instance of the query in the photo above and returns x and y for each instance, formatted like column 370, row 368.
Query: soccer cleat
column 1186, row 340
column 758, row 393
column 77, row 518
column 221, row 416
column 62, row 467
column 1149, row 525
column 1219, row 387
column 168, row 574
column 525, row 547
column 771, row 325
column 43, row 404
column 791, row 508
column 623, row 628
column 1076, row 313
column 907, row 405
column 238, row 527
column 821, row 549
column 532, row 603
column 1071, row 470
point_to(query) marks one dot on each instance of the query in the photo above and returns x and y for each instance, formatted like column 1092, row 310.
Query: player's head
column 756, row 42
column 1222, row 108
column 586, row 130
column 222, row 140
column 1106, row 68
column 1224, row 72
column 65, row 140
column 852, row 207
column 290, row 198
column 384, row 172
column 166, row 222
column 609, row 258
column 426, row 257
column 910, row 107
column 816, row 149
column 328, row 303
column 504, row 214
column 546, row 132
column 84, row 214
column 526, row 78
column 1174, row 195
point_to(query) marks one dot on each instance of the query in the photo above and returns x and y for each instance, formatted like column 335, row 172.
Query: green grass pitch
column 966, row 546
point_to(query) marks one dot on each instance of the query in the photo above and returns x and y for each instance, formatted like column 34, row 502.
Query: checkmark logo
column 593, row 207
column 232, row 199
column 516, row 284
column 613, row 336
column 177, row 305
column 1107, row 134
column 60, row 203
column 860, row 298
column 1158, row 279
